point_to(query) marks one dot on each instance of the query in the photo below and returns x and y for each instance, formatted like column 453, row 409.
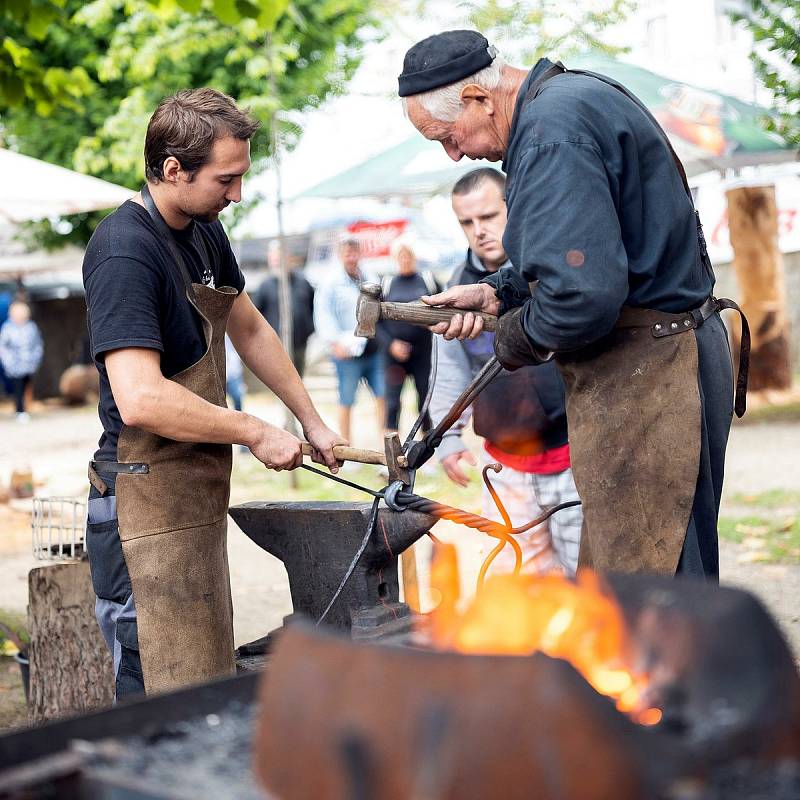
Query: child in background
column 21, row 351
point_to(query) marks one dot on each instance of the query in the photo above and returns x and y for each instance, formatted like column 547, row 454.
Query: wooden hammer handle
column 422, row 314
column 345, row 453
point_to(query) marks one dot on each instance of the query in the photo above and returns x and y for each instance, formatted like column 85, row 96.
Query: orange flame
column 519, row 614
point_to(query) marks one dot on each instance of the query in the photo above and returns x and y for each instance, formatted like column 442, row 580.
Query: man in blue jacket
column 601, row 218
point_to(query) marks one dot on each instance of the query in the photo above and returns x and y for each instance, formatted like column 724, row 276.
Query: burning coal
column 578, row 621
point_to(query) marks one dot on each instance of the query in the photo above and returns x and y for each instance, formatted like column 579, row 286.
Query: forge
column 341, row 719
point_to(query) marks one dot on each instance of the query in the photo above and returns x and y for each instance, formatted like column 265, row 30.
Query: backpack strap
column 430, row 281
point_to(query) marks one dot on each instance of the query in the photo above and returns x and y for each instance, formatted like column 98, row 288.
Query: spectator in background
column 21, row 351
column 354, row 357
column 520, row 415
column 5, row 302
column 301, row 297
column 407, row 347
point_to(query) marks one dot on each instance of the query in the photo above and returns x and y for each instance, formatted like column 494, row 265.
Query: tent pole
column 284, row 302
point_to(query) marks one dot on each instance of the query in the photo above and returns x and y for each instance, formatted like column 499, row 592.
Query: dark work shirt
column 406, row 289
column 597, row 213
column 301, row 296
column 135, row 297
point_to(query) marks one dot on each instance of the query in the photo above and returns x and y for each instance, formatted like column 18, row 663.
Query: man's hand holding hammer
column 474, row 297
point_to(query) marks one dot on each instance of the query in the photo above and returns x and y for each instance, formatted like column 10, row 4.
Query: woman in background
column 407, row 347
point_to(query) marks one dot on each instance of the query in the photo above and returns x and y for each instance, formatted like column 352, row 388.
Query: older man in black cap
column 600, row 216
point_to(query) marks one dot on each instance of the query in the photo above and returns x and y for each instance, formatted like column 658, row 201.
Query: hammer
column 370, row 308
column 392, row 458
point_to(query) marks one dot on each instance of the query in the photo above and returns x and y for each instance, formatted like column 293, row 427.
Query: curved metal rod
column 493, row 492
column 487, row 562
column 505, row 538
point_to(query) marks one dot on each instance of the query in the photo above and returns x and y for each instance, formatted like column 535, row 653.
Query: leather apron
column 173, row 526
column 634, row 429
column 634, row 417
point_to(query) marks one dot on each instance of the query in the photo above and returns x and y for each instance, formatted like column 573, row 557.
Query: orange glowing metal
column 515, row 615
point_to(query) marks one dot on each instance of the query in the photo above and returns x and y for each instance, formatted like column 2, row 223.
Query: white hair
column 444, row 103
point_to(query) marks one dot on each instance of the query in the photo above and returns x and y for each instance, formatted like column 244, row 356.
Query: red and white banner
column 376, row 237
column 712, row 204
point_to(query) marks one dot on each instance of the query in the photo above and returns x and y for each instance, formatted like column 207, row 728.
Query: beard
column 208, row 216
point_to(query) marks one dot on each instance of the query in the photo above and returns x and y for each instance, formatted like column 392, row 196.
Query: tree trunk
column 758, row 265
column 71, row 669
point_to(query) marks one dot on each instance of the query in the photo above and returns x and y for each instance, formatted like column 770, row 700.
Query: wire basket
column 58, row 526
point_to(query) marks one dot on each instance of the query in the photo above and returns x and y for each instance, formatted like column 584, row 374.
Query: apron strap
column 740, row 405
column 99, row 468
column 169, row 240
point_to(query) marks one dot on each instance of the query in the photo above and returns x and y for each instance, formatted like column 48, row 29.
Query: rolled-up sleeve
column 563, row 232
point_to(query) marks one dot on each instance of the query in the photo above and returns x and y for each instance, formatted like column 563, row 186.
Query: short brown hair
column 470, row 181
column 186, row 125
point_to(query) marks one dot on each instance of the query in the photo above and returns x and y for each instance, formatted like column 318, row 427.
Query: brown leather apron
column 633, row 405
column 634, row 429
column 173, row 526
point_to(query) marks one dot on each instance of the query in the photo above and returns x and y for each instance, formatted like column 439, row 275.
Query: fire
column 519, row 614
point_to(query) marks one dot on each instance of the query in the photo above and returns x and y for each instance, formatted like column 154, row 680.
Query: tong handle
column 418, row 313
column 346, row 453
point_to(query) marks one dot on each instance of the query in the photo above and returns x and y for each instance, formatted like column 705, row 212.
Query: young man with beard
column 162, row 289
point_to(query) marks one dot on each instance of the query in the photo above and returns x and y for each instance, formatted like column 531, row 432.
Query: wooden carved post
column 758, row 265
column 71, row 667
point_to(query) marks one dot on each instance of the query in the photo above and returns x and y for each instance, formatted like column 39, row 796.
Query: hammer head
column 368, row 309
column 396, row 461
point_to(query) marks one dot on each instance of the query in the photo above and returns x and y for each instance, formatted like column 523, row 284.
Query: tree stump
column 758, row 265
column 71, row 670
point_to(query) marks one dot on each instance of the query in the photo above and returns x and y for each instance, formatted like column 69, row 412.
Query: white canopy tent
column 31, row 189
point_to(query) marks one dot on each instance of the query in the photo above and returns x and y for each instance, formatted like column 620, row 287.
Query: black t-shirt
column 135, row 297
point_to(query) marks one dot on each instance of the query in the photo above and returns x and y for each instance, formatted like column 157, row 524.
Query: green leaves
column 23, row 74
column 775, row 25
column 530, row 29
column 82, row 96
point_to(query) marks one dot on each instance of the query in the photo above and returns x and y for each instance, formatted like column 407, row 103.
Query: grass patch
column 767, row 540
column 786, row 412
column 16, row 622
column 774, row 498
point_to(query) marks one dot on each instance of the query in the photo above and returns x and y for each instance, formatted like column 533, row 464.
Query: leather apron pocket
column 633, row 409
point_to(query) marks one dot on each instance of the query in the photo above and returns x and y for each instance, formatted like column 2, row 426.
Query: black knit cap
column 444, row 59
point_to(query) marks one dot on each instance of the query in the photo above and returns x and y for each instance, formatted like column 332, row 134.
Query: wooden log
column 78, row 382
column 408, row 560
column 71, row 670
column 759, row 269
